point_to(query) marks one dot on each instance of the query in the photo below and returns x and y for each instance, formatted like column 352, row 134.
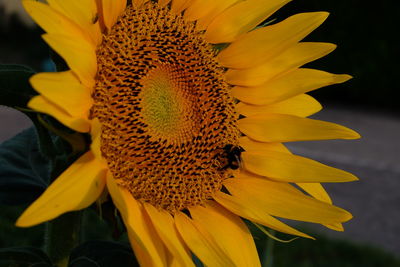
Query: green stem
column 63, row 234
column 268, row 257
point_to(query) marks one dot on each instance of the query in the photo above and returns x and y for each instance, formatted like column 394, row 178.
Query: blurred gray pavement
column 374, row 200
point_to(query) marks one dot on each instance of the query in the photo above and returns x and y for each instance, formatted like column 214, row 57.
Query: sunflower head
column 186, row 136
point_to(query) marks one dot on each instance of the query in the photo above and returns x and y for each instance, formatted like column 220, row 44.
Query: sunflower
column 188, row 104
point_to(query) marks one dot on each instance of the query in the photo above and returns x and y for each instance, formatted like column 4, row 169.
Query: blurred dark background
column 366, row 33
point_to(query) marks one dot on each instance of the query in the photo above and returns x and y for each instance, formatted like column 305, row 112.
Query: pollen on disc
column 165, row 108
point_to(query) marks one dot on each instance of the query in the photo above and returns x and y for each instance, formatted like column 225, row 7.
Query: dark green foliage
column 103, row 254
column 12, row 236
column 24, row 256
column 24, row 172
column 15, row 90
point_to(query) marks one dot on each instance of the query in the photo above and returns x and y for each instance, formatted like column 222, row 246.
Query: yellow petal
column 52, row 21
column 251, row 145
column 288, row 128
column 41, row 104
column 199, row 9
column 164, row 225
column 283, row 200
column 200, row 242
column 314, row 189
column 317, row 191
column 138, row 3
column 301, row 105
column 335, row 226
column 76, row 188
column 64, row 90
column 142, row 256
column 206, row 11
column 255, row 214
column 112, row 9
column 163, row 3
column 179, row 5
column 258, row 46
column 79, row 55
column 240, row 19
column 292, row 58
column 291, row 168
column 296, row 82
column 227, row 230
column 146, row 243
column 83, row 13
column 95, row 146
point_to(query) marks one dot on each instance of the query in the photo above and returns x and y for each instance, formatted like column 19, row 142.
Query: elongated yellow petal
column 179, row 5
column 260, row 45
column 79, row 55
column 283, row 200
column 314, row 189
column 53, row 21
column 76, row 188
column 41, row 104
column 112, row 9
column 138, row 3
column 164, row 225
column 240, row 19
column 251, row 145
column 150, row 248
column 95, row 146
column 142, row 256
column 227, row 230
column 255, row 214
column 296, row 82
column 288, row 128
column 64, row 90
column 83, row 12
column 301, row 105
column 205, row 11
column 291, row 168
column 317, row 191
column 290, row 59
column 199, row 9
column 200, row 242
column 163, row 3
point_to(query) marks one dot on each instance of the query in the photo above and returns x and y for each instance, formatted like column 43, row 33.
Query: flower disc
column 165, row 108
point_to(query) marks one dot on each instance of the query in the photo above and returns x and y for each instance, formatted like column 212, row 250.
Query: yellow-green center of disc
column 164, row 106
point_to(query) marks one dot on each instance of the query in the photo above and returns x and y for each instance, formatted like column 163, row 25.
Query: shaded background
column 368, row 45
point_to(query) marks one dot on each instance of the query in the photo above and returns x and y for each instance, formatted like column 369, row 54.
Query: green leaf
column 24, row 256
column 24, row 172
column 15, row 90
column 102, row 254
column 45, row 140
